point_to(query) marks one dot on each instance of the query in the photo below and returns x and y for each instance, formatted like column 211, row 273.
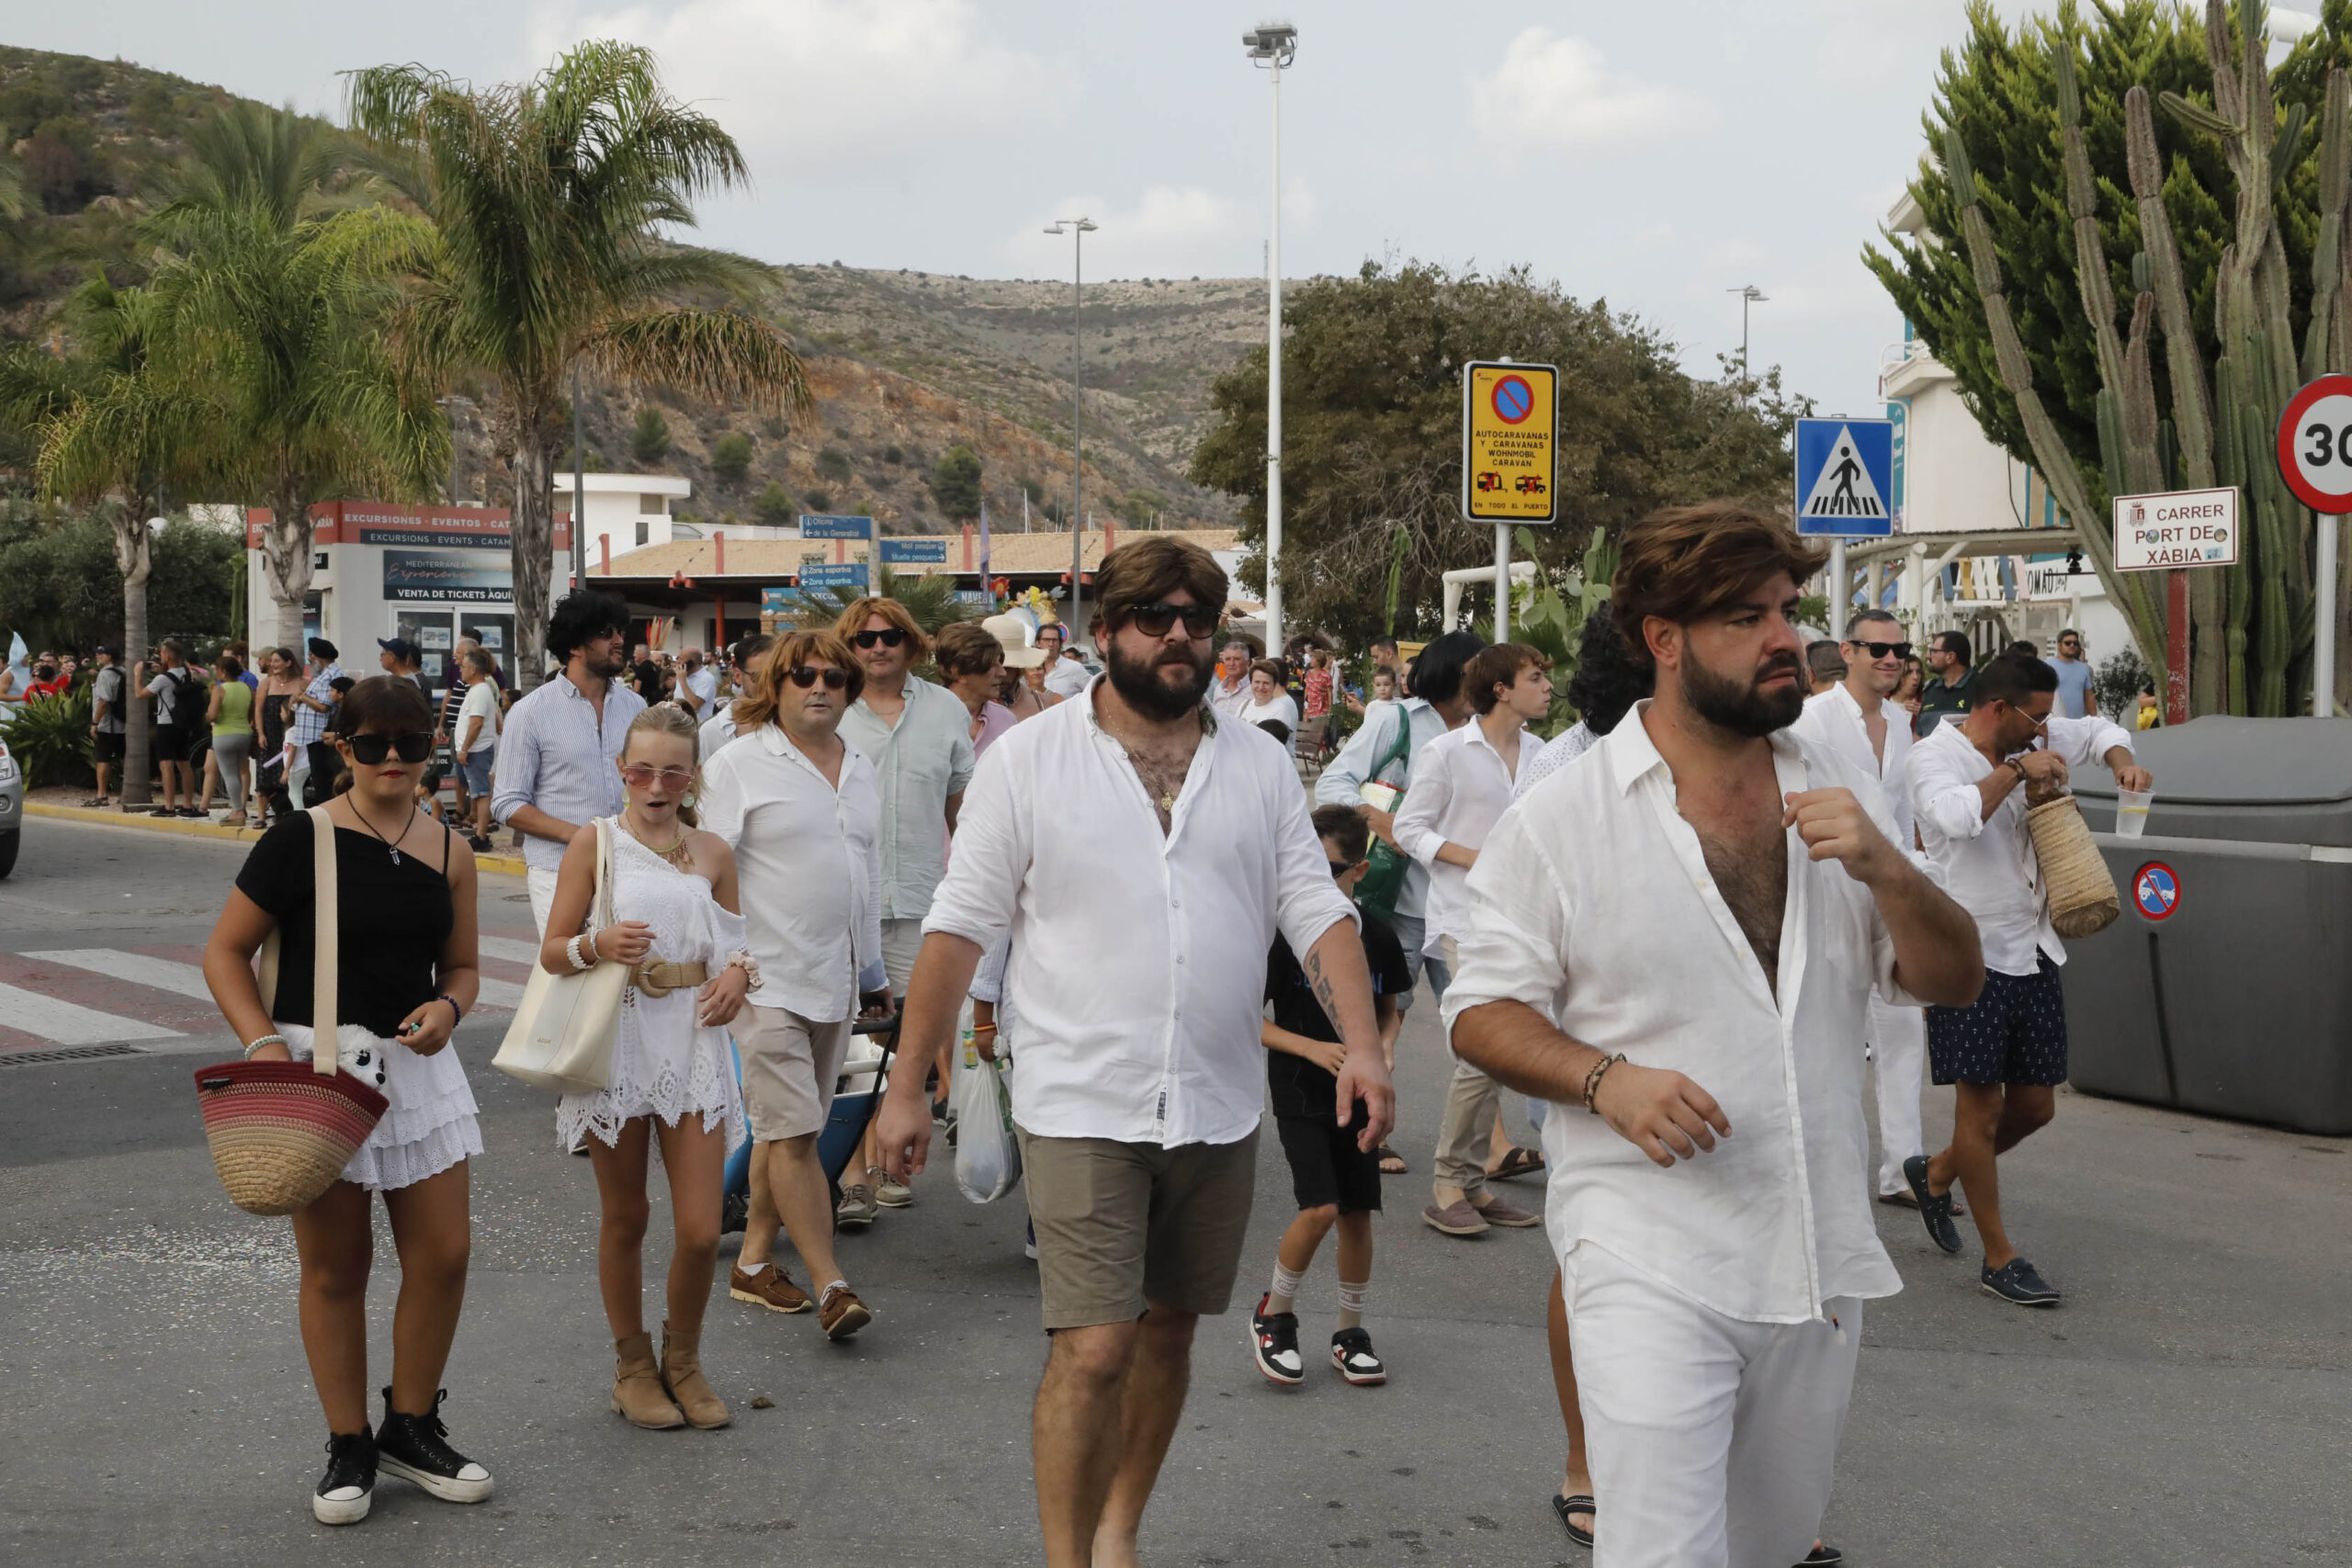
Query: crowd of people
column 1675, row 938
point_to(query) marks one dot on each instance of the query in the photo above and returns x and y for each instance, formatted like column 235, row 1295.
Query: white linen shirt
column 1987, row 865
column 809, row 860
column 917, row 763
column 1138, row 958
column 1593, row 905
column 1835, row 719
column 1461, row 788
column 558, row 753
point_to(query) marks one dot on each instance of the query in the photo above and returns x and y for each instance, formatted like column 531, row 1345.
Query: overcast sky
column 1656, row 155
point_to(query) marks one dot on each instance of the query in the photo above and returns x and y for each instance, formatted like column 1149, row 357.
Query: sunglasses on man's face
column 1884, row 650
column 409, row 746
column 803, row 676
column 889, row 637
column 1153, row 620
column 1341, row 867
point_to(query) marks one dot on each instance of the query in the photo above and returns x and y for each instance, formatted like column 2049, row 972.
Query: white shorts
column 901, row 940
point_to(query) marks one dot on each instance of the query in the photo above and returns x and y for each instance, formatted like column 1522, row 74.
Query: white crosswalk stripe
column 139, row 968
column 33, row 1013
column 510, row 950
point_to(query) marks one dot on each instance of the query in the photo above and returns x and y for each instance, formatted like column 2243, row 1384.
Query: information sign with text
column 2180, row 527
column 1510, row 426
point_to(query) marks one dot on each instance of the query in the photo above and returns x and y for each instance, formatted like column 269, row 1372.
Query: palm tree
column 930, row 599
column 115, row 423
column 537, row 252
column 281, row 294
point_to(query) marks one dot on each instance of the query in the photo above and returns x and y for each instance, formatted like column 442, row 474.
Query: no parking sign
column 2156, row 888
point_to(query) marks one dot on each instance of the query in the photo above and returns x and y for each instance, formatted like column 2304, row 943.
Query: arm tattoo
column 1322, row 987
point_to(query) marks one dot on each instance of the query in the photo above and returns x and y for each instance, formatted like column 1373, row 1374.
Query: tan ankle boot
column 681, row 1373
column 636, row 1386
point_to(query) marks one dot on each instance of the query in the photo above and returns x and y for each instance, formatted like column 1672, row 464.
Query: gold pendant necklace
column 671, row 853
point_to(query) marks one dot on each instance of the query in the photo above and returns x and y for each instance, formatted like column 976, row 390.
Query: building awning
column 752, row 562
column 1945, row 548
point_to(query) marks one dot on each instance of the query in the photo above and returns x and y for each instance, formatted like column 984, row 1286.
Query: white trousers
column 541, row 883
column 1899, row 1063
column 1713, row 1440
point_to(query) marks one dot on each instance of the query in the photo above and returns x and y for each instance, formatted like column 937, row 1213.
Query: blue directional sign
column 816, row 526
column 1846, row 477
column 933, row 552
column 849, row 574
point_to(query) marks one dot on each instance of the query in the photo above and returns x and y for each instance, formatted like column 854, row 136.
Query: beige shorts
column 790, row 1065
column 1121, row 1226
column 901, row 940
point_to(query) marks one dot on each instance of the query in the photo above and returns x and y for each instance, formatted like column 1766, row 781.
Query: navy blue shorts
column 2015, row 1033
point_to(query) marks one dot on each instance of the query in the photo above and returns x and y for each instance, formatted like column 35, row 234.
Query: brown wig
column 759, row 706
column 1686, row 563
column 1148, row 569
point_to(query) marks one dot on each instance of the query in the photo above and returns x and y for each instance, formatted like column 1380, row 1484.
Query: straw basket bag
column 2083, row 899
column 282, row 1132
column 562, row 1034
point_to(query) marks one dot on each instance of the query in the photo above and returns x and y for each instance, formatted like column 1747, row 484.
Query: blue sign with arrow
column 815, row 526
column 932, row 552
column 848, row 574
column 1844, row 478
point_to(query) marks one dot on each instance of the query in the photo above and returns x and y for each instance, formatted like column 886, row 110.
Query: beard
column 1739, row 705
column 1146, row 686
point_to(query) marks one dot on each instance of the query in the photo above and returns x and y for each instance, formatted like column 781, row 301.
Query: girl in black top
column 408, row 972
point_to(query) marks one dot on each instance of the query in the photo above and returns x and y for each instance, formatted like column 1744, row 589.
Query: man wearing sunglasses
column 1855, row 719
column 1143, row 854
column 2006, row 1053
column 555, row 759
column 918, row 738
column 2074, row 676
column 1949, row 696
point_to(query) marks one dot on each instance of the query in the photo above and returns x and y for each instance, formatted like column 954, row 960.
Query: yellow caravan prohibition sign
column 1511, row 414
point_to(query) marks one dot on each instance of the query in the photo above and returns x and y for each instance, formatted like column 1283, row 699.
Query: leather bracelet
column 2018, row 768
column 1592, row 1079
column 254, row 1045
column 456, row 1014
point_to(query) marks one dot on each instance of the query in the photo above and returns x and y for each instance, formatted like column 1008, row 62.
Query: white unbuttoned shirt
column 809, row 862
column 1592, row 904
column 1138, row 958
column 1988, row 863
column 1835, row 719
column 1461, row 788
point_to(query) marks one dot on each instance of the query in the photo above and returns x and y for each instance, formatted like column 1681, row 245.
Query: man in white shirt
column 918, row 738
column 802, row 814
column 1144, row 855
column 1678, row 933
column 1066, row 671
column 1854, row 719
column 751, row 657
column 698, row 687
column 1462, row 785
column 1231, row 693
column 2007, row 1053
column 1382, row 750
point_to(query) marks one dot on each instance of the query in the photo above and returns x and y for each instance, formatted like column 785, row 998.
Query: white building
column 624, row 511
column 1956, row 561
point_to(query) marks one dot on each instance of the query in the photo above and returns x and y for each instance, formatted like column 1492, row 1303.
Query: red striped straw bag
column 282, row 1132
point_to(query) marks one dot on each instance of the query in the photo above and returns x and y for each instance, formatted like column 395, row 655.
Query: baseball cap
column 399, row 647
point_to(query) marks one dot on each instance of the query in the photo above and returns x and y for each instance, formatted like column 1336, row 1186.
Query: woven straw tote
column 282, row 1132
column 2083, row 898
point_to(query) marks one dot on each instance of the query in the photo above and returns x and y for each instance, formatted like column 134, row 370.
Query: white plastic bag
column 988, row 1161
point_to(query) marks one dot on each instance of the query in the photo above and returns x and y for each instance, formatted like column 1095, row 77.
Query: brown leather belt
column 660, row 978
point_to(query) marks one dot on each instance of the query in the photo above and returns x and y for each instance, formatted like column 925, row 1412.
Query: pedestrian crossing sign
column 1845, row 474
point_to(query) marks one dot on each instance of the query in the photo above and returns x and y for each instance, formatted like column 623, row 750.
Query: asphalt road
column 2189, row 1403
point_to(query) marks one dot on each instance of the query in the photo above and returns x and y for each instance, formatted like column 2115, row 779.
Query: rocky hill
column 906, row 366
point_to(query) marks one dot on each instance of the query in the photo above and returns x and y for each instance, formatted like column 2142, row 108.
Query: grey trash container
column 2226, row 985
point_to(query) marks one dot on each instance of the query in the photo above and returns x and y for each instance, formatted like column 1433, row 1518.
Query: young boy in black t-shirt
column 1335, row 1183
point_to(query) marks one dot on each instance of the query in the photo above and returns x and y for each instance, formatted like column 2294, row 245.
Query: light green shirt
column 917, row 763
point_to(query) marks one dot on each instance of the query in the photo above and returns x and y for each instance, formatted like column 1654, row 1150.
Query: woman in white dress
column 677, row 924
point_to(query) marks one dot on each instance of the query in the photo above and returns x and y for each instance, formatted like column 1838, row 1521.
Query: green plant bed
column 49, row 738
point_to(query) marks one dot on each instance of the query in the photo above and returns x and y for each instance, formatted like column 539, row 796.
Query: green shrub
column 730, row 456
column 774, row 504
column 49, row 738
column 833, row 463
column 649, row 442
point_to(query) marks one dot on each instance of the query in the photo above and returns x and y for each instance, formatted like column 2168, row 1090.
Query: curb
column 189, row 826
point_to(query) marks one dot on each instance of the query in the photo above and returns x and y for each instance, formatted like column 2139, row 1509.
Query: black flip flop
column 1822, row 1556
column 1518, row 1162
column 1580, row 1503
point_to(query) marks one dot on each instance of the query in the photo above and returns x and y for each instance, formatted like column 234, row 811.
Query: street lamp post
column 1271, row 45
column 1748, row 295
column 1077, row 228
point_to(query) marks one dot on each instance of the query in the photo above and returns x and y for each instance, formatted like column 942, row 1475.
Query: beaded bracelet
column 456, row 1014
column 1592, row 1079
column 254, row 1045
column 572, row 955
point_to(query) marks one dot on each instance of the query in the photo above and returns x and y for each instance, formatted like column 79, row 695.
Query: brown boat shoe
column 767, row 1286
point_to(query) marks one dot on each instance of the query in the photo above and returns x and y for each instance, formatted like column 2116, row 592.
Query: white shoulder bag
column 562, row 1034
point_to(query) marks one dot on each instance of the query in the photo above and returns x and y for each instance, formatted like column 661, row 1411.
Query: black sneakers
column 1352, row 1354
column 1273, row 1344
column 416, row 1448
column 1933, row 1210
column 348, row 1488
column 2016, row 1283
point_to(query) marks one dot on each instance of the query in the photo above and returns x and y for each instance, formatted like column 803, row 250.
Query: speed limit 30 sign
column 2315, row 445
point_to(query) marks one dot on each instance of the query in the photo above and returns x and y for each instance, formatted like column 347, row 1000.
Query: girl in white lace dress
column 677, row 924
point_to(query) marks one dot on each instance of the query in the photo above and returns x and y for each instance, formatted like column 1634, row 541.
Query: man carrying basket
column 2007, row 1053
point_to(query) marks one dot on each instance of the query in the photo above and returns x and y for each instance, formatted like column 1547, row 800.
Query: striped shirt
column 556, row 754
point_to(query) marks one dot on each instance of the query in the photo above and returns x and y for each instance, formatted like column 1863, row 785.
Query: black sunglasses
column 1153, row 620
column 409, row 745
column 889, row 636
column 804, row 677
column 1341, row 867
column 1881, row 650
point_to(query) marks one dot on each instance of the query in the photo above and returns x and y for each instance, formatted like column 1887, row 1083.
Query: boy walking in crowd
column 1336, row 1183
